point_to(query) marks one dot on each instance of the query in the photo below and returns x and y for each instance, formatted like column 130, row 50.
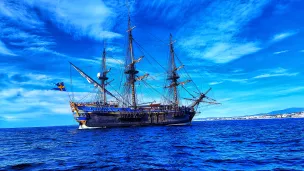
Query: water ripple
column 220, row 145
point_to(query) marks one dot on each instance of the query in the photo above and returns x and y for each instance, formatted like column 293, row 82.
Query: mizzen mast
column 173, row 75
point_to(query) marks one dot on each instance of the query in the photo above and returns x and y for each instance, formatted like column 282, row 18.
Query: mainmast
column 174, row 76
column 130, row 64
column 103, row 76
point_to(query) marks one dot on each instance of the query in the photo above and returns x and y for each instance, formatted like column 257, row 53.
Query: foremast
column 103, row 76
column 93, row 82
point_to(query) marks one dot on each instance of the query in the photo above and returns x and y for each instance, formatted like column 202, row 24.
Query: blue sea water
column 217, row 145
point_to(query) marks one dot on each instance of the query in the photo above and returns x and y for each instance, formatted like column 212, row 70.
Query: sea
column 276, row 144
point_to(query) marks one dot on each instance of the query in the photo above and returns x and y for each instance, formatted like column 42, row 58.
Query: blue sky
column 249, row 52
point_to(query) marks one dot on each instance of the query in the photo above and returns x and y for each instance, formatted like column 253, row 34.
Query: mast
column 92, row 81
column 173, row 76
column 130, row 64
column 201, row 98
column 103, row 77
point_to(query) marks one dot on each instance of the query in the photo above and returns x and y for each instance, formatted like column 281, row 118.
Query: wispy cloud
column 4, row 50
column 215, row 38
column 12, row 78
column 302, row 51
column 289, row 90
column 23, row 40
column 237, row 70
column 276, row 73
column 226, row 52
column 19, row 13
column 236, row 80
column 279, row 52
column 97, row 60
column 44, row 50
column 90, row 19
column 84, row 18
column 32, row 100
column 216, row 82
column 114, row 49
column 284, row 35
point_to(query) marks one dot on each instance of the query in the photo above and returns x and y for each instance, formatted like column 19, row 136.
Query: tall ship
column 124, row 110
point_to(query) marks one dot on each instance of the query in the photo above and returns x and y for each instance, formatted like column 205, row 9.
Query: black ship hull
column 106, row 120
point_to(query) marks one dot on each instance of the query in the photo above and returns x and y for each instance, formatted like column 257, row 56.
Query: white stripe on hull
column 86, row 127
column 177, row 124
column 180, row 124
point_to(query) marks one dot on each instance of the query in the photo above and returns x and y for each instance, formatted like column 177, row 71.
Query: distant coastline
column 258, row 116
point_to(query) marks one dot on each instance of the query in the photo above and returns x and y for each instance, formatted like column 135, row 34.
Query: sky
column 249, row 51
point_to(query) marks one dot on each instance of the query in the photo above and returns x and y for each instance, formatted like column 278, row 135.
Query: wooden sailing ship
column 125, row 110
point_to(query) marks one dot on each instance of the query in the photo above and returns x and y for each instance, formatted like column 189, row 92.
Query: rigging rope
column 155, row 90
column 144, row 51
column 156, row 37
column 87, row 95
column 187, row 73
column 71, row 81
column 187, row 91
column 177, row 59
column 119, row 95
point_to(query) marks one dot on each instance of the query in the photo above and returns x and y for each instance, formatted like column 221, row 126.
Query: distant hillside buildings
column 265, row 116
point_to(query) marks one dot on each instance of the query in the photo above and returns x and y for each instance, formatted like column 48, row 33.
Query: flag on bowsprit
column 60, row 87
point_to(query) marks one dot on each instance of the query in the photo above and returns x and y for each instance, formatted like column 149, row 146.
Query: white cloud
column 278, row 72
column 282, row 36
column 5, row 51
column 10, row 118
column 215, row 37
column 29, row 79
column 19, row 13
column 279, row 52
column 244, row 80
column 289, row 90
column 237, row 70
column 21, row 38
column 275, row 75
column 44, row 50
column 225, row 52
column 113, row 49
column 32, row 100
column 302, row 50
column 115, row 62
column 38, row 103
column 83, row 18
column 216, row 82
column 27, row 41
column 97, row 60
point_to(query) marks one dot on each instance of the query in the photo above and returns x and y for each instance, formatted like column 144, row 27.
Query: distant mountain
column 288, row 110
column 284, row 111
